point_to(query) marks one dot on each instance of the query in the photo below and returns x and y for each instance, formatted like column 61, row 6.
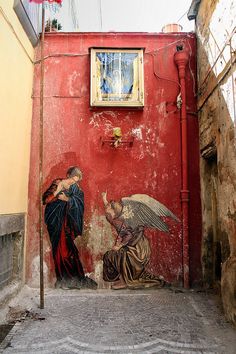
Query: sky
column 124, row 15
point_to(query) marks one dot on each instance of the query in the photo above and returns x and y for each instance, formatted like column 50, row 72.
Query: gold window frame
column 117, row 77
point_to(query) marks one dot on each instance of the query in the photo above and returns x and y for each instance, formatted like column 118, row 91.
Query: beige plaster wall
column 216, row 103
column 16, row 72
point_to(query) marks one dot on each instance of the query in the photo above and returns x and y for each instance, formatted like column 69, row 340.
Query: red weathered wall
column 72, row 132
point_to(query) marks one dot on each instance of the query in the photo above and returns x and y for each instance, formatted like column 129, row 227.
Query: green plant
column 52, row 25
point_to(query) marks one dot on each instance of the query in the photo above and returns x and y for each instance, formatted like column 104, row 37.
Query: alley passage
column 124, row 321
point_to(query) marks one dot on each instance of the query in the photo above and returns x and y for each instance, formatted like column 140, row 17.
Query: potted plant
column 52, row 25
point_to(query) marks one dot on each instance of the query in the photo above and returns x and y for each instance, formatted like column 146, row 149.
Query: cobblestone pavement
column 124, row 321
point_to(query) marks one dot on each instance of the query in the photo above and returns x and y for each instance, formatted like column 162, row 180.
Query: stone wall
column 215, row 26
column 12, row 230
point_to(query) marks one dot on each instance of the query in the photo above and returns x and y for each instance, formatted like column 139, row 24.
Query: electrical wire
column 15, row 34
column 58, row 55
column 152, row 53
column 182, row 16
column 161, row 77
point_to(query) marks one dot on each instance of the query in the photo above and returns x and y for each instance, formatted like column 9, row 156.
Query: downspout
column 181, row 59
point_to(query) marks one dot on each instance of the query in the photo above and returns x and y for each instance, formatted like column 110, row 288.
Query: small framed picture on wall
column 117, row 77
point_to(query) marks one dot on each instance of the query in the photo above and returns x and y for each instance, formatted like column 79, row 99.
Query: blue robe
column 64, row 222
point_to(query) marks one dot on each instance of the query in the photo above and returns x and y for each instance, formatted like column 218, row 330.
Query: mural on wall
column 125, row 264
column 64, row 212
column 149, row 148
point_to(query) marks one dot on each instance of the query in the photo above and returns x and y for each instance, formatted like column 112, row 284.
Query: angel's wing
column 143, row 210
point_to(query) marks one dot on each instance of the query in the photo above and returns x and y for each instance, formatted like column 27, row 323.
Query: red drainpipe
column 181, row 58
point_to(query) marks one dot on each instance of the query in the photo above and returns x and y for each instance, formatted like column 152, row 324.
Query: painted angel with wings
column 125, row 264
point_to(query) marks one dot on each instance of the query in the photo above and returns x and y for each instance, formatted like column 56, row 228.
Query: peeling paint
column 100, row 237
column 71, row 82
column 35, row 271
column 161, row 109
column 99, row 118
column 137, row 132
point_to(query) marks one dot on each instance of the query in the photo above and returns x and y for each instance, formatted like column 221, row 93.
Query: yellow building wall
column 16, row 75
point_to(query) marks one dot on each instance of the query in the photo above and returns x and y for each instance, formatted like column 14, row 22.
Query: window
column 117, row 77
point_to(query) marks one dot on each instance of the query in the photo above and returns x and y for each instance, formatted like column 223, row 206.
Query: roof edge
column 110, row 34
